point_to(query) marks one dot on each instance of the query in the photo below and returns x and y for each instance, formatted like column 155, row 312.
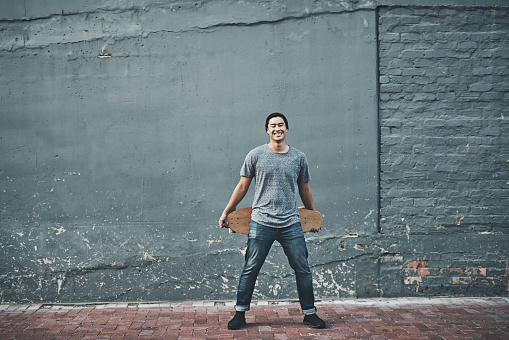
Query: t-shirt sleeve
column 248, row 168
column 304, row 175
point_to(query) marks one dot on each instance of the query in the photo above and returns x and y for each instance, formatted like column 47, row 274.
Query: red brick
column 487, row 319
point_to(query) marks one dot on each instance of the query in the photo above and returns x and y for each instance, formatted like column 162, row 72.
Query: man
column 279, row 171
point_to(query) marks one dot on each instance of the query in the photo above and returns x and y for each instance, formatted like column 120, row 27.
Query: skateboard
column 238, row 220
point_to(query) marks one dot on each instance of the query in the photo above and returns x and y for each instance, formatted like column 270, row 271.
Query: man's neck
column 279, row 147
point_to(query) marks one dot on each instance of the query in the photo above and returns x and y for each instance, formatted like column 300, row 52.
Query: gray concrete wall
column 123, row 129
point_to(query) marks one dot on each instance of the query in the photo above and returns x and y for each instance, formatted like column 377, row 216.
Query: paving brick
column 349, row 319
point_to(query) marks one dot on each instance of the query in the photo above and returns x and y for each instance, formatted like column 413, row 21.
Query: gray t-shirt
column 276, row 177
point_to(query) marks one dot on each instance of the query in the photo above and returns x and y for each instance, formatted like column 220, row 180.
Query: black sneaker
column 314, row 321
column 238, row 321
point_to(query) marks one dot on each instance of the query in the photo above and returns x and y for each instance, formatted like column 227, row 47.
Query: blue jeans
column 259, row 241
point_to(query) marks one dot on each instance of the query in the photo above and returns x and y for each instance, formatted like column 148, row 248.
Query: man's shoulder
column 258, row 150
column 297, row 152
column 262, row 147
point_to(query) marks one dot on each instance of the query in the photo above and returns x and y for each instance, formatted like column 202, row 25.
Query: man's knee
column 300, row 266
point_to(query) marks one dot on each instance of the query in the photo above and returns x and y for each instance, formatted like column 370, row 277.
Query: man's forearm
column 238, row 194
column 306, row 196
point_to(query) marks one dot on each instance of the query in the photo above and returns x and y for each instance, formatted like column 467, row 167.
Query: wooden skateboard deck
column 238, row 221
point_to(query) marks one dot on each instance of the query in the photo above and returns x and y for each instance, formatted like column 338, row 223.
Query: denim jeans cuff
column 239, row 308
column 309, row 311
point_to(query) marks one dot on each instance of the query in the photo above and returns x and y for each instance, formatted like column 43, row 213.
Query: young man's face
column 277, row 129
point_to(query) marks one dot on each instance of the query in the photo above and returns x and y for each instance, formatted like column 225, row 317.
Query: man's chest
column 277, row 167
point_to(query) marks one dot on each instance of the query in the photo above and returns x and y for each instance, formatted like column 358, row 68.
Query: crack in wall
column 181, row 7
column 338, row 261
column 110, row 33
column 129, row 263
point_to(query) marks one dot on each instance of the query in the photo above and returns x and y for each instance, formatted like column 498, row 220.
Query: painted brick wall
column 444, row 148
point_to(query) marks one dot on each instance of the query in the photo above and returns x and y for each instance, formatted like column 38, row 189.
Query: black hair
column 273, row 115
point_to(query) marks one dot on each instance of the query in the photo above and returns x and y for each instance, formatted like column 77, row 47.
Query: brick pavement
column 407, row 318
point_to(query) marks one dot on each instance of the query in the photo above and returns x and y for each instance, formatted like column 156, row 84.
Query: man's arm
column 307, row 198
column 238, row 194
